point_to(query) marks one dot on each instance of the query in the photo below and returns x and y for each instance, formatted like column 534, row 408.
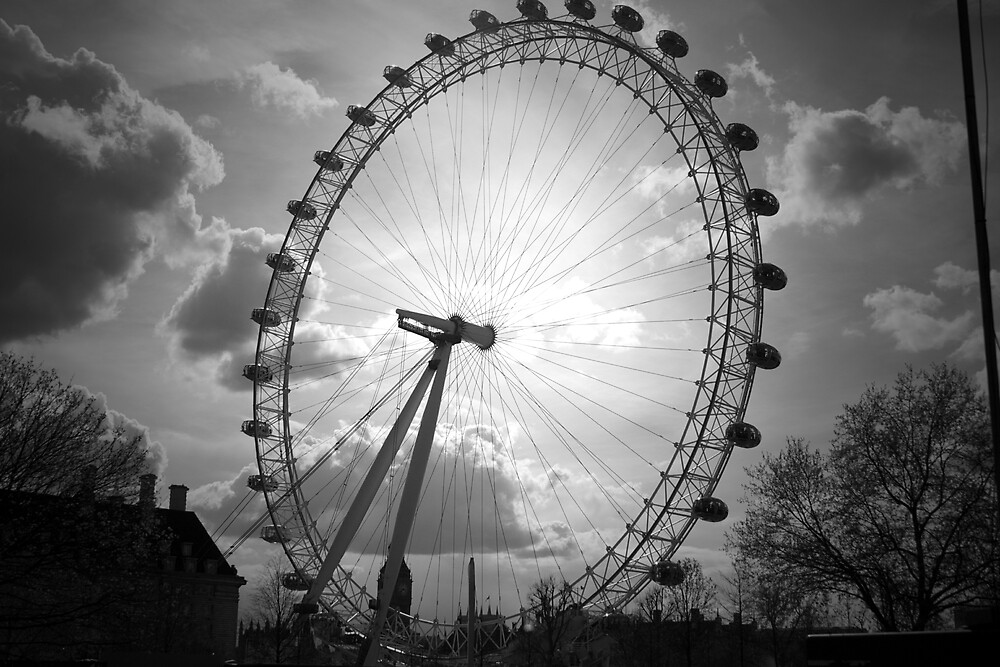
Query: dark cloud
column 850, row 156
column 214, row 312
column 82, row 82
column 96, row 179
column 835, row 160
column 211, row 319
column 210, row 323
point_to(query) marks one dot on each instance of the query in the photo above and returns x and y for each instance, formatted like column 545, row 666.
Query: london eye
column 515, row 319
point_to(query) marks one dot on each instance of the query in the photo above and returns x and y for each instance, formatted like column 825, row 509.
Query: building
column 198, row 591
column 402, row 595
column 86, row 577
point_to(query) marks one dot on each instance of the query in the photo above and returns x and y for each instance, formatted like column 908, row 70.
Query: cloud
column 796, row 345
column 906, row 315
column 210, row 321
column 750, row 69
column 675, row 249
column 275, row 88
column 951, row 276
column 657, row 181
column 212, row 495
column 477, row 472
column 156, row 455
column 103, row 181
column 836, row 160
column 210, row 324
column 654, row 21
column 207, row 122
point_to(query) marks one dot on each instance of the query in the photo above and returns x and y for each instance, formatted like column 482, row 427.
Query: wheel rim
column 583, row 305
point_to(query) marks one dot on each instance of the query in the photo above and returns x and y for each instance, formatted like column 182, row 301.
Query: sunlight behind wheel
column 563, row 211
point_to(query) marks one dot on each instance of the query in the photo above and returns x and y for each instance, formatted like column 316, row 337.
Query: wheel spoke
column 564, row 213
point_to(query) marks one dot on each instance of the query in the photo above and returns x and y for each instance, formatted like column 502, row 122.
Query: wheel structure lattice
column 552, row 184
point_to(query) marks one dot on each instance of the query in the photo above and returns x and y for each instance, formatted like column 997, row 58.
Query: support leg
column 407, row 506
column 369, row 487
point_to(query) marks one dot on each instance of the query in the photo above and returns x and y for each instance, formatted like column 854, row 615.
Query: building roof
column 184, row 526
column 188, row 528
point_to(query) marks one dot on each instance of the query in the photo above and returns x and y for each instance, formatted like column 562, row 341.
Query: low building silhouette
column 197, row 590
column 87, row 577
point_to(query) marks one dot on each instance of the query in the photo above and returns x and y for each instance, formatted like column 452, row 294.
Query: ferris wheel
column 515, row 320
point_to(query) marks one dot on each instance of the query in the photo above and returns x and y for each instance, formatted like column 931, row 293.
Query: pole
column 982, row 243
column 471, row 644
column 409, row 498
column 369, row 488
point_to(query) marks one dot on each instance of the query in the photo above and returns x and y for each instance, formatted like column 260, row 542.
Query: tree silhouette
column 900, row 515
column 551, row 622
column 686, row 601
column 273, row 612
column 70, row 558
column 60, row 439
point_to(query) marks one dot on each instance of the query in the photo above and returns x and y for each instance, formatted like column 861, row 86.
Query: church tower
column 402, row 597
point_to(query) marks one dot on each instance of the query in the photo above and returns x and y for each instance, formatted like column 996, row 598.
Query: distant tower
column 402, row 597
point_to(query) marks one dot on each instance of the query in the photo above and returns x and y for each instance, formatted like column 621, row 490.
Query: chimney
column 147, row 484
column 178, row 497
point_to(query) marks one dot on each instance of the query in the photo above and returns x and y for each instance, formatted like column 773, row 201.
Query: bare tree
column 68, row 559
column 690, row 597
column 650, row 627
column 686, row 601
column 737, row 591
column 273, row 614
column 552, row 620
column 899, row 516
column 57, row 438
column 784, row 608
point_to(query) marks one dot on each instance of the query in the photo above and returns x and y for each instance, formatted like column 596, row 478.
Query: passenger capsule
column 743, row 435
column 532, row 9
column 397, row 76
column 710, row 509
column 483, row 20
column 272, row 534
column 262, row 483
column 761, row 202
column 294, row 581
column 360, row 115
column 582, row 9
column 265, row 317
column 667, row 573
column 741, row 137
column 301, row 209
column 260, row 429
column 627, row 18
column 770, row 277
column 671, row 44
column 763, row 356
column 328, row 161
column 711, row 83
column 279, row 262
column 439, row 44
column 257, row 373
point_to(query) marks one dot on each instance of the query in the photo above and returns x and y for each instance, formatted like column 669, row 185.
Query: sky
column 149, row 148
